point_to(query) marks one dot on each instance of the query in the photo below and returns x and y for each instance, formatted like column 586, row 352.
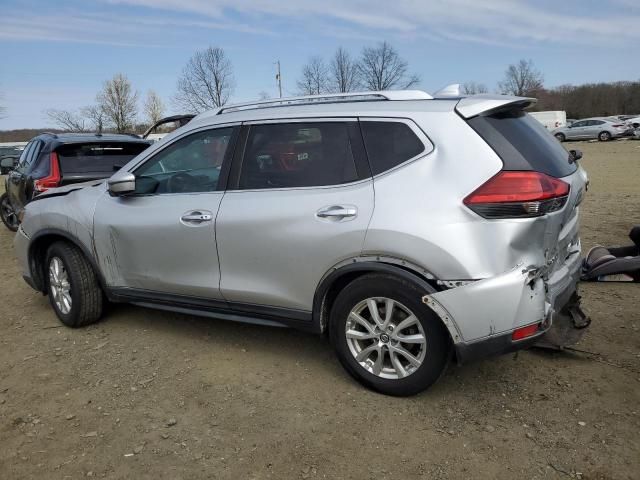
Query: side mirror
column 574, row 155
column 9, row 163
column 122, row 183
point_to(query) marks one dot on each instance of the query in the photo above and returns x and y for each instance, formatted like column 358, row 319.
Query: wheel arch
column 342, row 274
column 38, row 247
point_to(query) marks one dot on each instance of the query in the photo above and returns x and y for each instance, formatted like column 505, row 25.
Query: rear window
column 99, row 158
column 523, row 143
column 389, row 144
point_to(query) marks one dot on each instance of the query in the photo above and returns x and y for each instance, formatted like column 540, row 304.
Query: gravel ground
column 148, row 394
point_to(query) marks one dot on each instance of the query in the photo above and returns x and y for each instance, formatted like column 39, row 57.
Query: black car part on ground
column 614, row 264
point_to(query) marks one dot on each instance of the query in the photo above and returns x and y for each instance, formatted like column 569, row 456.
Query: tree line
column 207, row 81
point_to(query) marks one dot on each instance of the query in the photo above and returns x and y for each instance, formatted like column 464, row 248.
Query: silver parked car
column 409, row 228
column 603, row 129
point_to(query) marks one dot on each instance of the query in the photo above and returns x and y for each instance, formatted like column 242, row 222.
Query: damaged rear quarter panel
column 494, row 305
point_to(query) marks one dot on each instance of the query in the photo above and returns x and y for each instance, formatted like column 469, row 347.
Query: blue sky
column 57, row 54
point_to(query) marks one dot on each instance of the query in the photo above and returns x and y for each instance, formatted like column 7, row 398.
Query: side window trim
column 429, row 146
column 358, row 152
column 25, row 154
column 34, row 154
column 224, row 170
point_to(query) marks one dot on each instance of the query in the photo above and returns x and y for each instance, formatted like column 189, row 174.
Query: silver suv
column 409, row 228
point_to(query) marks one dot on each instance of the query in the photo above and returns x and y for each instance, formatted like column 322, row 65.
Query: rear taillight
column 53, row 179
column 618, row 125
column 518, row 195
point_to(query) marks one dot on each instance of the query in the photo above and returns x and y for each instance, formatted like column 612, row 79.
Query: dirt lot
column 147, row 394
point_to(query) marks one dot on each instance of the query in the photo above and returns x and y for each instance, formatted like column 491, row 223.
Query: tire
column 386, row 377
column 604, row 136
column 8, row 214
column 561, row 137
column 75, row 280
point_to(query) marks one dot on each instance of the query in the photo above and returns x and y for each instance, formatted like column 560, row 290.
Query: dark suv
column 53, row 160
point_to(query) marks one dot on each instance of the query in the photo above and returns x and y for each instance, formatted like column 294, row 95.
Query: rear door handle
column 197, row 217
column 337, row 211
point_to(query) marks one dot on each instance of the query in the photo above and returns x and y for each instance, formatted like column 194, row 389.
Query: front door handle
column 197, row 217
column 337, row 212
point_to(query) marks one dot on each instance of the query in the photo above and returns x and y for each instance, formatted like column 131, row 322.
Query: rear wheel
column 8, row 213
column 386, row 338
column 74, row 291
column 604, row 136
column 560, row 137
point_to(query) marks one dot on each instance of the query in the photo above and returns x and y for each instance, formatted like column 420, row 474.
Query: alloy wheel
column 60, row 285
column 385, row 338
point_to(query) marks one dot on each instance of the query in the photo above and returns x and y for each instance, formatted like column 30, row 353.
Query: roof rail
column 329, row 98
column 54, row 135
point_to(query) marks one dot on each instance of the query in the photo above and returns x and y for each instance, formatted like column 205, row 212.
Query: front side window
column 191, row 164
column 290, row 155
column 579, row 124
column 389, row 144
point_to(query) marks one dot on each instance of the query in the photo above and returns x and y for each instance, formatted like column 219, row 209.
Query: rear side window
column 97, row 158
column 523, row 143
column 289, row 155
column 389, row 144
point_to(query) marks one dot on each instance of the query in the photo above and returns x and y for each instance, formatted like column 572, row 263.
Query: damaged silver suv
column 409, row 228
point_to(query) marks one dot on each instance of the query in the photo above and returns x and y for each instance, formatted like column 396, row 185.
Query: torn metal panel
column 492, row 306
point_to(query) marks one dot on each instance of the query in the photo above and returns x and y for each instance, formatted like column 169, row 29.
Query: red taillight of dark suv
column 53, row 179
column 518, row 194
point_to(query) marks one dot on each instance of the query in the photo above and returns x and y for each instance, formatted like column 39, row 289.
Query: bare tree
column 207, row 81
column 264, row 95
column 472, row 88
column 382, row 68
column 153, row 107
column 119, row 102
column 315, row 77
column 67, row 120
column 96, row 115
column 3, row 109
column 344, row 75
column 522, row 79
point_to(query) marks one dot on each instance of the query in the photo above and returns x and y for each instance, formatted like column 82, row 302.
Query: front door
column 162, row 238
column 301, row 203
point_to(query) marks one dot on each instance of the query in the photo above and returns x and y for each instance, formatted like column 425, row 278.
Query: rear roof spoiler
column 485, row 104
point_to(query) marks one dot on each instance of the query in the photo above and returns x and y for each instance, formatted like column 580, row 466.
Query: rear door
column 299, row 202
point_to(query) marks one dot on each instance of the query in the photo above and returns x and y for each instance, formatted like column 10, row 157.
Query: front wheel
column 604, row 136
column 74, row 291
column 560, row 137
column 386, row 338
column 8, row 213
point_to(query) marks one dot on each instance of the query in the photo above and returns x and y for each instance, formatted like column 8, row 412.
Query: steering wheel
column 180, row 183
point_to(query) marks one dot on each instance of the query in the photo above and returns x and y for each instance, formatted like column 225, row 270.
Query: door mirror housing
column 574, row 155
column 122, row 183
column 9, row 163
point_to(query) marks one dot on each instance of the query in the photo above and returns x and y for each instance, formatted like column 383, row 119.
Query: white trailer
column 551, row 119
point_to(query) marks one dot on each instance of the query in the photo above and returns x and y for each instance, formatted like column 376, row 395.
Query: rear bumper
column 503, row 304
